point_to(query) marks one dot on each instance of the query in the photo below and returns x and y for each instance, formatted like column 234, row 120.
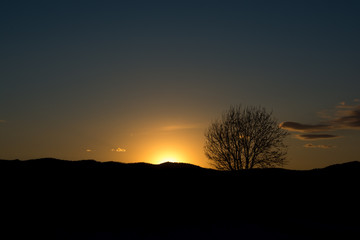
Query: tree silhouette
column 245, row 138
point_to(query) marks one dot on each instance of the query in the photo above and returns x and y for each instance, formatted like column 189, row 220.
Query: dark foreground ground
column 55, row 199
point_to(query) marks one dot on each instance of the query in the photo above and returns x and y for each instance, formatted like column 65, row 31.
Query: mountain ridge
column 168, row 165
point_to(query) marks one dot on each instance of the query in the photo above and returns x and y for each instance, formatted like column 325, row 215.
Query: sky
column 140, row 81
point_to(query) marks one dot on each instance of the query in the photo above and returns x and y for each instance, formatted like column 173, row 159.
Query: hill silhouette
column 178, row 200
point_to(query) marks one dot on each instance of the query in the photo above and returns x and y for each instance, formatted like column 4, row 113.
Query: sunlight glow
column 166, row 157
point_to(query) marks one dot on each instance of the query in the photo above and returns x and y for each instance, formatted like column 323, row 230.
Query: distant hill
column 147, row 201
column 48, row 162
column 348, row 166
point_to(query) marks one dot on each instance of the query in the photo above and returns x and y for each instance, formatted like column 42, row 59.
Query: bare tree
column 245, row 138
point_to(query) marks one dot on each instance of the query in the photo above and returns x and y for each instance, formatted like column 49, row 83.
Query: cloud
column 309, row 145
column 344, row 105
column 179, row 127
column 344, row 117
column 2, row 121
column 299, row 127
column 316, row 136
column 118, row 150
column 348, row 119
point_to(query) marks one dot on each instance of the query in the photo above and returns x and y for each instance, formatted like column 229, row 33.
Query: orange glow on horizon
column 156, row 144
column 169, row 156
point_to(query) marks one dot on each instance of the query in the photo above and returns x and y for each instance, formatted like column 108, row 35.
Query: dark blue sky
column 102, row 75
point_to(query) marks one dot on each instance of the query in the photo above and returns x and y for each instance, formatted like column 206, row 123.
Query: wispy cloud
column 170, row 128
column 299, row 127
column 2, row 121
column 344, row 105
column 316, row 136
column 309, row 145
column 118, row 150
column 343, row 117
column 180, row 127
column 348, row 119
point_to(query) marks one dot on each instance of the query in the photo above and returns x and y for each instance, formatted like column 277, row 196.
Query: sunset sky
column 140, row 81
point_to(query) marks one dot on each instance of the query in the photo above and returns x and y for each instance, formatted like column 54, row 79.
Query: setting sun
column 167, row 157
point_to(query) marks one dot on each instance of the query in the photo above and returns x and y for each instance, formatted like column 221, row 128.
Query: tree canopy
column 245, row 138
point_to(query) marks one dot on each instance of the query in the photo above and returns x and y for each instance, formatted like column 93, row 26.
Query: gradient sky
column 140, row 80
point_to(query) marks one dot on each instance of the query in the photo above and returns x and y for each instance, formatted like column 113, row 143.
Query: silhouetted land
column 92, row 200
